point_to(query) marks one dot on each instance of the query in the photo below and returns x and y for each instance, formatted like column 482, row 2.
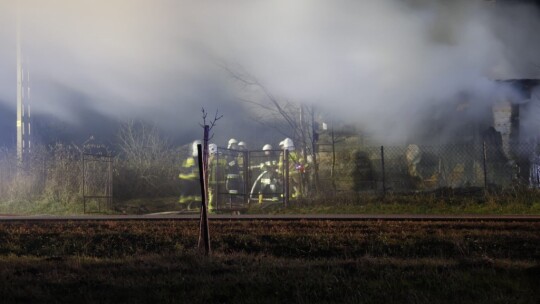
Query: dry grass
column 271, row 262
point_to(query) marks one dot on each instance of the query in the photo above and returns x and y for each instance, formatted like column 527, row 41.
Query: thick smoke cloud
column 382, row 64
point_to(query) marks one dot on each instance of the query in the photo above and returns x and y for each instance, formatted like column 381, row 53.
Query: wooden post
column 204, row 232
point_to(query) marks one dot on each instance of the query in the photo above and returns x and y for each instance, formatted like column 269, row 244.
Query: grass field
column 442, row 201
column 271, row 262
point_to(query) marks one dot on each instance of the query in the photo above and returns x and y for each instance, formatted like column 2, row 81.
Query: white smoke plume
column 382, row 64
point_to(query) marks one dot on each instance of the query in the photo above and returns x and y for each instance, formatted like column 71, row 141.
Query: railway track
column 264, row 217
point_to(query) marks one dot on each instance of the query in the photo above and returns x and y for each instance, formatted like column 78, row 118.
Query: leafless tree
column 291, row 119
column 204, row 231
column 146, row 161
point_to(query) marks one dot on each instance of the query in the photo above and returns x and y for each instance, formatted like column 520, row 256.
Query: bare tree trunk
column 204, row 231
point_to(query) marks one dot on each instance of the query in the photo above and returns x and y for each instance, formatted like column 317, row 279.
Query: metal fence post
column 286, row 183
column 484, row 156
column 110, row 182
column 537, row 175
column 83, row 184
column 245, row 169
column 383, row 173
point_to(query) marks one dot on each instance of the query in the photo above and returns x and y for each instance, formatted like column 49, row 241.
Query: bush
column 147, row 165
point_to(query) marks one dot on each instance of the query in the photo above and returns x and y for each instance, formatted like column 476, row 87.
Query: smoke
column 382, row 64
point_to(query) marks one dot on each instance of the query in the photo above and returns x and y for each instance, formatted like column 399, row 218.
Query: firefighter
column 232, row 183
column 216, row 170
column 295, row 165
column 242, row 154
column 270, row 177
column 189, row 179
column 242, row 162
column 269, row 162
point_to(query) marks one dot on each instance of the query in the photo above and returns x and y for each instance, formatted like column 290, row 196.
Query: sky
column 381, row 64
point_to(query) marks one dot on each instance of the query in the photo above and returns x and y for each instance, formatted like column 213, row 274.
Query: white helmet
column 232, row 143
column 212, row 148
column 266, row 148
column 194, row 152
column 288, row 144
column 242, row 146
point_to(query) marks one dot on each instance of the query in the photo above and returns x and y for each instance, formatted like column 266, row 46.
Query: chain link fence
column 97, row 182
column 415, row 168
column 59, row 173
column 227, row 179
column 239, row 178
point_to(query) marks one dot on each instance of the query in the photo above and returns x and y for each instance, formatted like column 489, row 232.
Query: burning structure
column 469, row 141
column 511, row 111
column 496, row 137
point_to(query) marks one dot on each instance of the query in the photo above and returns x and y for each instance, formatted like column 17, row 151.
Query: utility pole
column 23, row 100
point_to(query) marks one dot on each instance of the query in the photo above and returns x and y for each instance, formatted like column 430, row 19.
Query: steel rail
column 264, row 217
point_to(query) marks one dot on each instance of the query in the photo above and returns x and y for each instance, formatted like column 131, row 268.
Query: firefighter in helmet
column 189, row 179
column 242, row 153
column 242, row 162
column 216, row 170
column 295, row 166
column 270, row 177
column 232, row 183
column 269, row 163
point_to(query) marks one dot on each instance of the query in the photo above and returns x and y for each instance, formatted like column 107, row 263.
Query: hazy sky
column 379, row 63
